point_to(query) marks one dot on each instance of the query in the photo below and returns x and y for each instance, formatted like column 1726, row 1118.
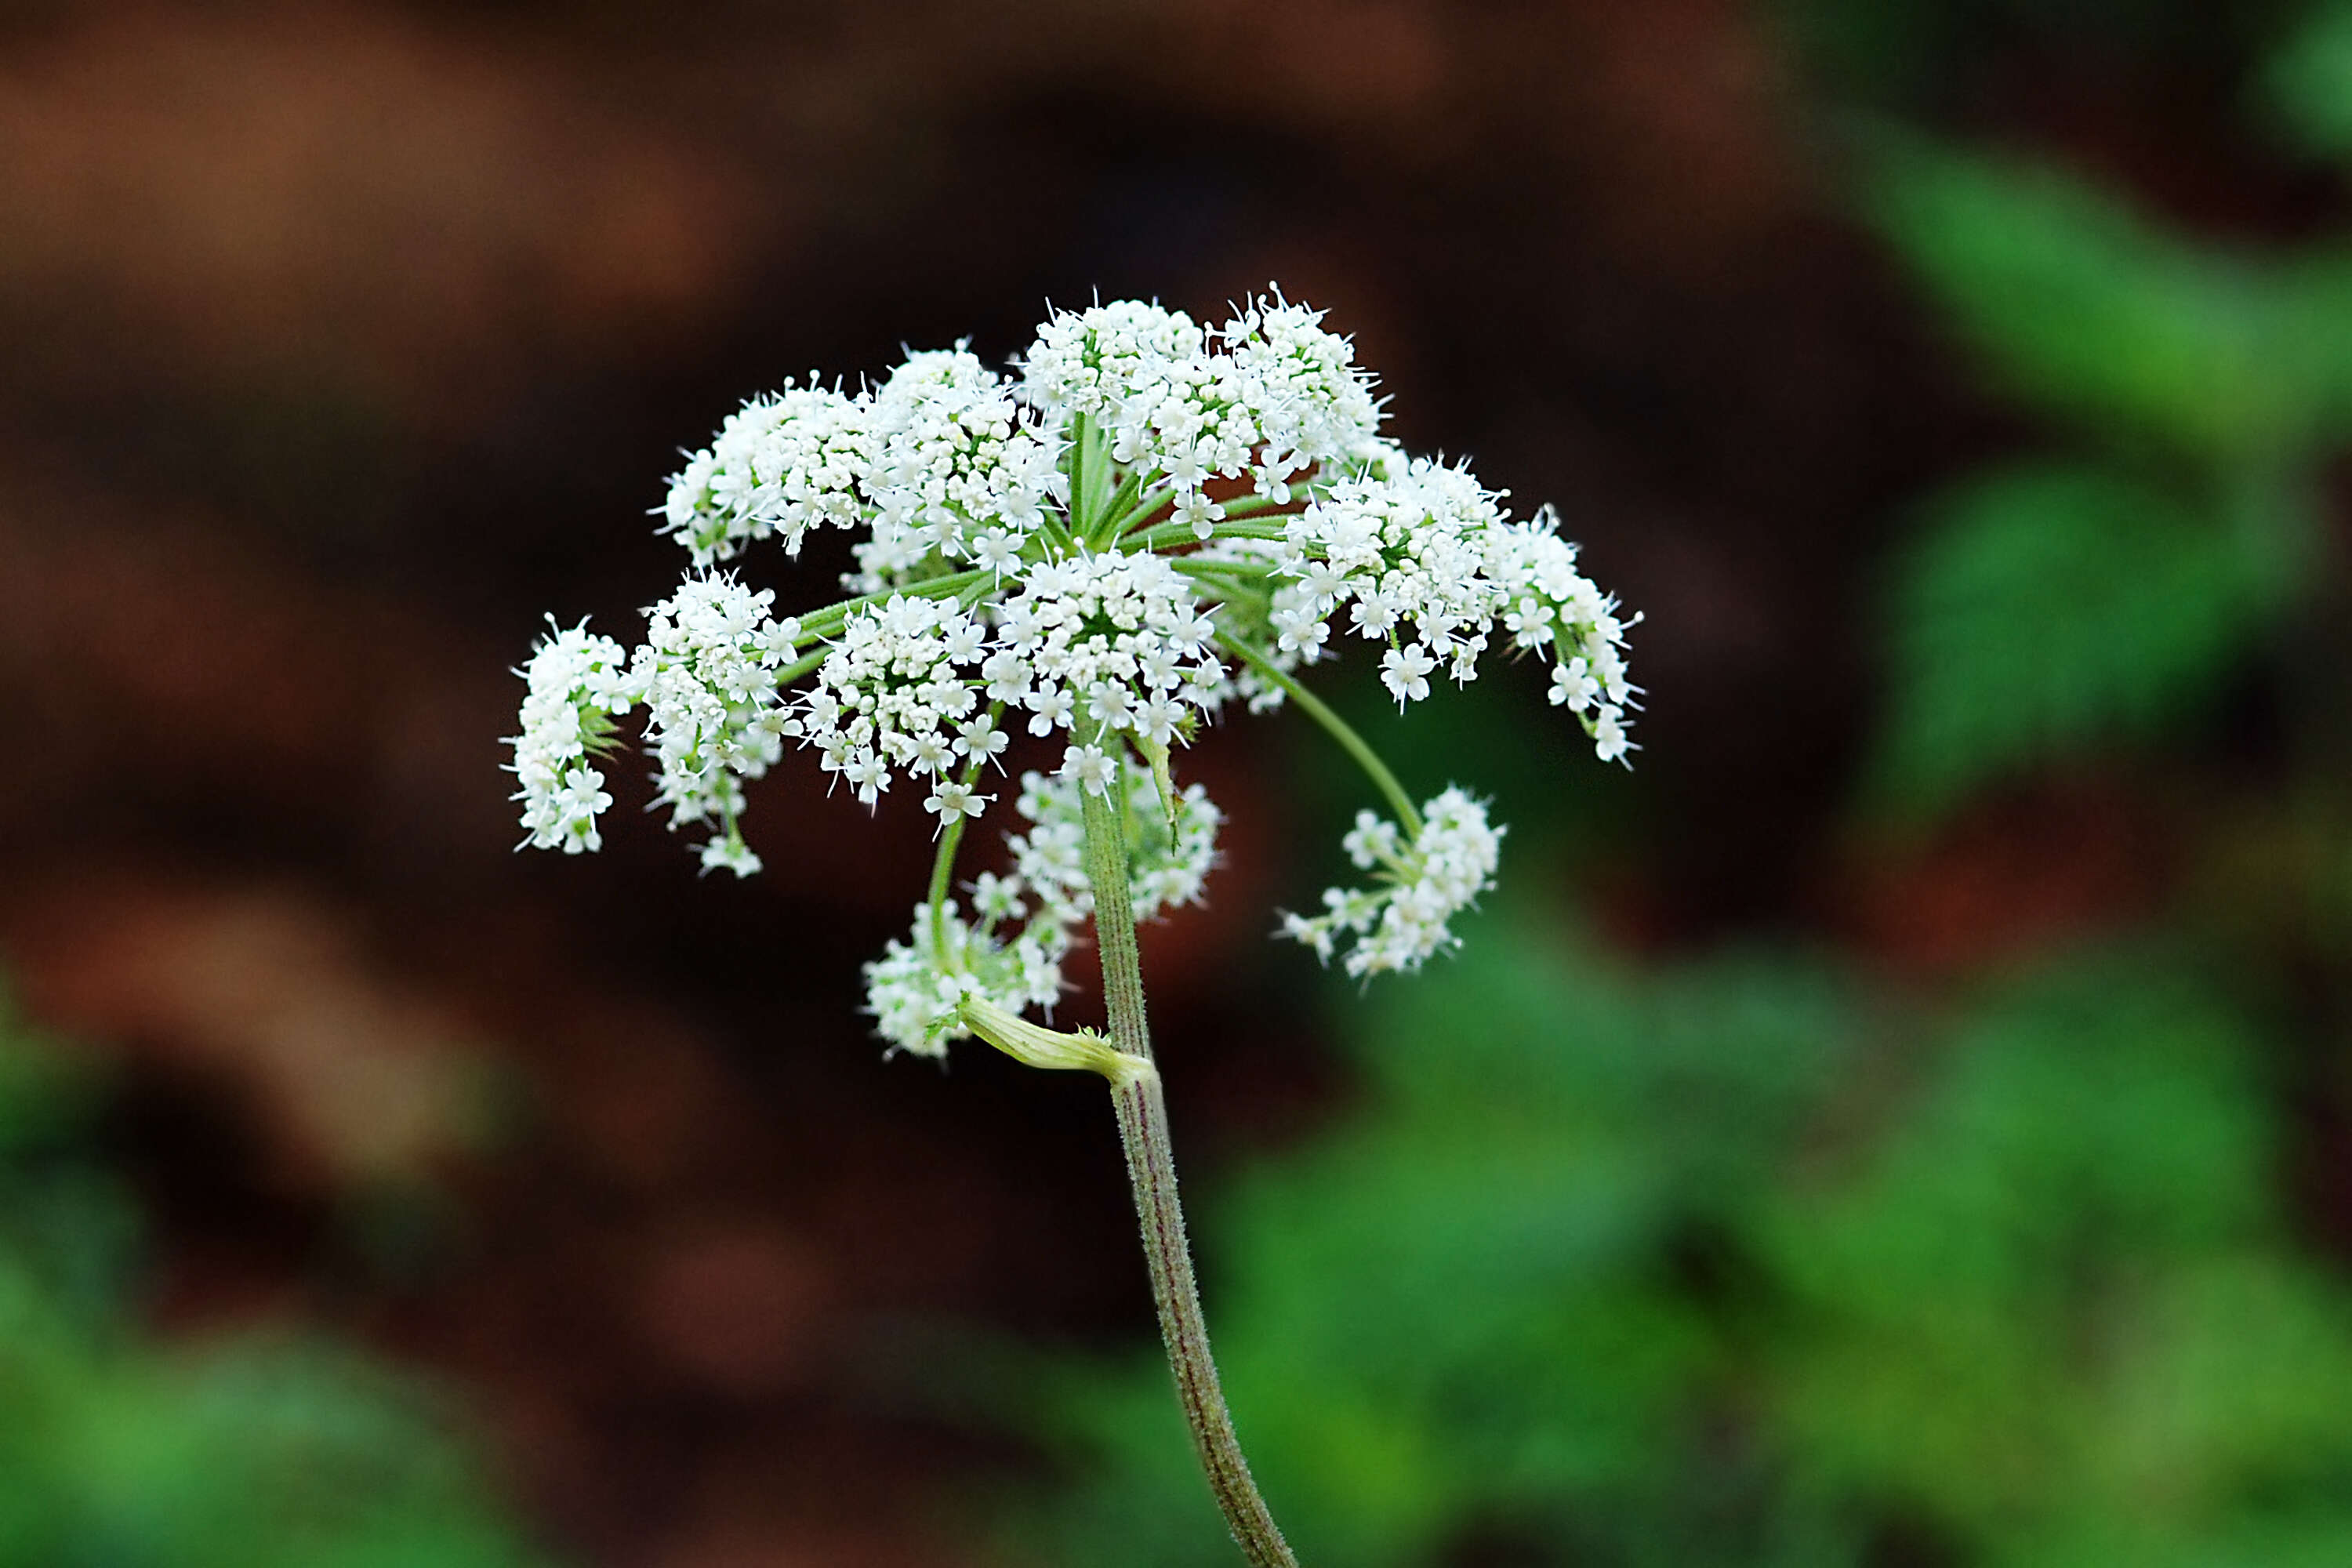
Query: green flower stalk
column 1149, row 520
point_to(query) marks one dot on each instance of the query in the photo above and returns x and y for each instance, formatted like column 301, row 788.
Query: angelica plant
column 1147, row 521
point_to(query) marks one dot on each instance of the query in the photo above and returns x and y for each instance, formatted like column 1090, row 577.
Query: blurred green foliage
column 2047, row 608
column 2103, row 598
column 2063, row 607
column 2055, row 1312
column 2307, row 84
column 2133, row 333
column 119, row 1452
column 1699, row 1267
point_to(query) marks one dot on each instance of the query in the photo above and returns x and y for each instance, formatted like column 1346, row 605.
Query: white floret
column 781, row 464
column 914, row 989
column 707, row 673
column 1406, row 920
column 579, row 683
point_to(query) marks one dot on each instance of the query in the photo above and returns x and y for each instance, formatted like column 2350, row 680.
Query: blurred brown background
column 343, row 342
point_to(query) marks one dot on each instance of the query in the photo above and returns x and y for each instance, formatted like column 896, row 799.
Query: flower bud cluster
column 1168, row 862
column 1424, row 884
column 914, row 991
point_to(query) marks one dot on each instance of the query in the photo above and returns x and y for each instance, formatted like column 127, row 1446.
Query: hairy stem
column 1151, row 1170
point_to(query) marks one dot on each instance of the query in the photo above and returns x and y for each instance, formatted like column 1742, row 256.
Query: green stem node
column 1034, row 1045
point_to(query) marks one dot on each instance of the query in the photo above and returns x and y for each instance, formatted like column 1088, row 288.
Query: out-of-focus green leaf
column 1878, row 52
column 44, row 1095
column 2084, row 308
column 2055, row 1312
column 2049, row 610
column 2316, row 295
column 2308, row 82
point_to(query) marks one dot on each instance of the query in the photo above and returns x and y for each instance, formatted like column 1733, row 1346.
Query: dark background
column 344, row 342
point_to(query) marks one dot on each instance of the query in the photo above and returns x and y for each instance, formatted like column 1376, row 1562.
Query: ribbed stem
column 1151, row 1170
column 1122, row 969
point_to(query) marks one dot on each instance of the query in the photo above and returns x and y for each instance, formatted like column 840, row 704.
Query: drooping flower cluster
column 707, row 674
column 1149, row 518
column 1426, row 564
column 1426, row 881
column 579, row 685
column 915, row 989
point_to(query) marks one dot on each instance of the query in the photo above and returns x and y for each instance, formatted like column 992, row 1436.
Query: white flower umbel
column 1423, row 562
column 1096, row 553
column 1427, row 879
column 962, row 472
column 781, row 465
column 897, row 692
column 1152, row 517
